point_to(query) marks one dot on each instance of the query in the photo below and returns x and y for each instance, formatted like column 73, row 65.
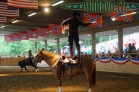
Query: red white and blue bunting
column 119, row 61
column 135, row 60
column 104, row 60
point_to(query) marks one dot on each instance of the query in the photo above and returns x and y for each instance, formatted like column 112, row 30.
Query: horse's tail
column 20, row 63
column 94, row 77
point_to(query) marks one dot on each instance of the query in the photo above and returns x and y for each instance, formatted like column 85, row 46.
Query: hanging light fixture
column 31, row 14
column 46, row 9
column 2, row 26
column 15, row 21
column 59, row 2
column 129, row 14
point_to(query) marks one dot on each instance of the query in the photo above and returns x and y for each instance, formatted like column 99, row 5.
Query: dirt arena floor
column 12, row 80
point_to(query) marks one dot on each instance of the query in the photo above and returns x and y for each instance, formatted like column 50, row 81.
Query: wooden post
column 35, row 47
column 93, row 43
column 45, row 45
column 120, row 42
column 58, row 46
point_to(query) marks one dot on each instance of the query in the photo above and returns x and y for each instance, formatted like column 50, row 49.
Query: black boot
column 71, row 52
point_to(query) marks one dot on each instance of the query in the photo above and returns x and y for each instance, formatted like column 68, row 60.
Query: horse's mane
column 48, row 53
column 51, row 58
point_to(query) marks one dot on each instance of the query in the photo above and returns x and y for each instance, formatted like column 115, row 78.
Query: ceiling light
column 59, row 2
column 15, row 21
column 129, row 14
column 46, row 9
column 31, row 14
column 2, row 26
column 113, row 19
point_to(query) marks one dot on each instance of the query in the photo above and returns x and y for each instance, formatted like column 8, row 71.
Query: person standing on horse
column 73, row 32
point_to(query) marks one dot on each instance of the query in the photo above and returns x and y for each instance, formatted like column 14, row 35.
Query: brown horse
column 88, row 67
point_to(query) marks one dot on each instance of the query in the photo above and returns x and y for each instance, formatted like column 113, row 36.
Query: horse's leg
column 36, row 69
column 90, row 82
column 59, row 85
column 21, row 69
column 89, row 78
column 26, row 69
column 57, row 72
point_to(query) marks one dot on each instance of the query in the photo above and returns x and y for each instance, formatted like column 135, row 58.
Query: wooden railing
column 10, row 61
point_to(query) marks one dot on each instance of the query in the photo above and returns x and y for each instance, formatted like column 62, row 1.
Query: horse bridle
column 40, row 55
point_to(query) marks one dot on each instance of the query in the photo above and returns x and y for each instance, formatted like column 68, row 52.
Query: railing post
column 58, row 46
column 120, row 42
column 93, row 43
column 45, row 45
column 35, row 47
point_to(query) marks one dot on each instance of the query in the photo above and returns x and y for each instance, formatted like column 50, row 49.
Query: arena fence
column 123, row 65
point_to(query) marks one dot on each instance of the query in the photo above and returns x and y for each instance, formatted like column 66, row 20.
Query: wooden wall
column 10, row 61
column 128, row 67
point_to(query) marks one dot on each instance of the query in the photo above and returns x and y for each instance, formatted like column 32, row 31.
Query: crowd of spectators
column 130, row 51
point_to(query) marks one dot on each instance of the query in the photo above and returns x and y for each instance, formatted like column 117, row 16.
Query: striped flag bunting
column 8, row 11
column 95, row 59
column 104, row 60
column 135, row 60
column 124, row 15
column 55, row 28
column 42, row 31
column 29, row 4
column 3, row 19
column 96, row 20
column 120, row 60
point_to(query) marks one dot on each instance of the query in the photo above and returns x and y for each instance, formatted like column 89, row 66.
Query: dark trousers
column 73, row 36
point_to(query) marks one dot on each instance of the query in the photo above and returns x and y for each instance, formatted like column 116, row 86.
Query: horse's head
column 38, row 58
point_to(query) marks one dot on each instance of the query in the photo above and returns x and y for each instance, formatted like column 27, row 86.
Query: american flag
column 8, row 11
column 2, row 19
column 30, row 4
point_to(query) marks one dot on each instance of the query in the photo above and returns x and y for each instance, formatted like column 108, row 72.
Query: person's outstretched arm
column 84, row 24
column 65, row 22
